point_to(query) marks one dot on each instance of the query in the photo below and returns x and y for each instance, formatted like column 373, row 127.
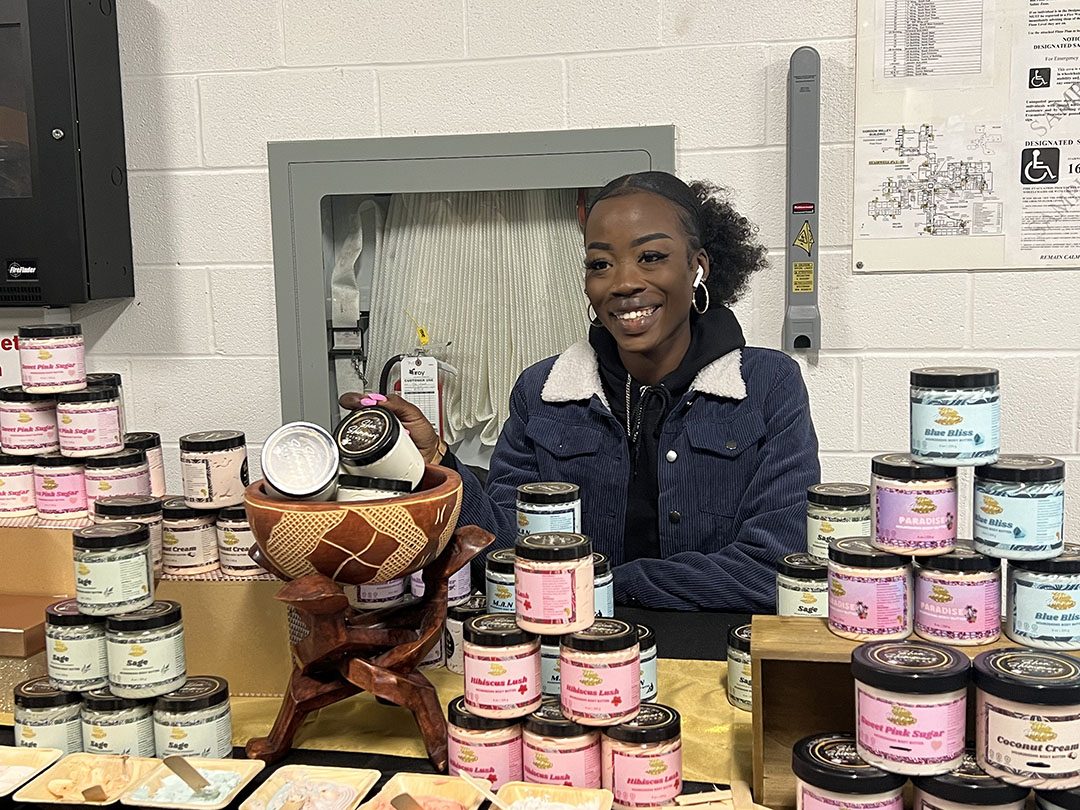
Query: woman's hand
column 421, row 432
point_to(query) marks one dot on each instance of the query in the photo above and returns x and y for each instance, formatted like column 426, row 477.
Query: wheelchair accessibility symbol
column 1038, row 77
column 1039, row 167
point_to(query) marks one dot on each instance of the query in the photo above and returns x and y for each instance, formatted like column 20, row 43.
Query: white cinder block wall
column 206, row 84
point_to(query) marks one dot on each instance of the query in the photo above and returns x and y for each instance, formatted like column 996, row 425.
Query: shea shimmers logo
column 1061, row 601
column 541, row 761
column 809, row 599
column 923, row 505
column 590, row 678
column 901, row 716
column 826, row 527
column 990, row 506
column 656, row 767
column 496, row 669
column 838, row 588
column 468, row 755
column 940, row 594
column 949, row 416
column 1040, row 732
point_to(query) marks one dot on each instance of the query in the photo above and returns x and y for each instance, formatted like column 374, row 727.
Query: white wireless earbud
column 700, row 273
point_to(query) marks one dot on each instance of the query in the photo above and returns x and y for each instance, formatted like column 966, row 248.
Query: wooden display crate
column 802, row 686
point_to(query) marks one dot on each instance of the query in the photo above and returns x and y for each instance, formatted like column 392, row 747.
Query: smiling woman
column 692, row 451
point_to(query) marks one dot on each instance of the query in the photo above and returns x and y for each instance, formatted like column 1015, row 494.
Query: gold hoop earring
column 699, row 309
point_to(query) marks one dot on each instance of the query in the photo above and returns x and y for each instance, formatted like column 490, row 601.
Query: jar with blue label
column 548, row 506
column 550, row 676
column 1019, row 508
column 499, row 581
column 603, row 586
column 955, row 416
column 649, row 683
column 1043, row 599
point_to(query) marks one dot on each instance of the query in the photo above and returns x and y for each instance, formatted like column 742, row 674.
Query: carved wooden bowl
column 355, row 542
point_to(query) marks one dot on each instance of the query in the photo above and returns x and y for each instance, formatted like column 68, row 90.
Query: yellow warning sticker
column 802, row 277
column 805, row 239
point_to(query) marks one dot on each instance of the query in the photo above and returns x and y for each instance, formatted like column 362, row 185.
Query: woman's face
column 639, row 271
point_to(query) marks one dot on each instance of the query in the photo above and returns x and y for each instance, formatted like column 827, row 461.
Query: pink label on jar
column 546, row 597
column 957, row 610
column 498, row 682
column 107, row 483
column 29, row 426
column 874, row 606
column 16, row 491
column 602, row 691
column 646, row 781
column 494, row 762
column 60, row 493
column 96, row 428
column 915, row 519
column 52, row 363
column 911, row 732
column 812, row 800
column 575, row 767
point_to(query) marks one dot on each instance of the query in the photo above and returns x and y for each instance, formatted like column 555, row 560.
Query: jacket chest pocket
column 564, row 452
column 725, row 460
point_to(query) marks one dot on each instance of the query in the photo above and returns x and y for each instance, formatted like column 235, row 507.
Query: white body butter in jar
column 600, row 669
column 548, row 506
column 966, row 788
column 1019, row 508
column 603, row 586
column 75, row 648
column 499, row 580
column 453, row 634
column 189, row 539
column 88, row 422
column 482, row 747
column 641, row 760
column 150, row 443
column 650, row 687
column 557, row 751
column 955, row 416
column 830, row 775
column 910, row 706
column 740, row 682
column 17, row 486
column 144, row 509
column 195, row 720
column 45, row 717
column 146, row 651
column 802, row 586
column 27, row 423
column 835, row 511
column 372, row 443
column 913, row 506
column 1043, row 601
column 214, row 468
column 113, row 570
column 869, row 592
column 110, row 379
column 353, row 488
column 958, row 597
column 59, row 488
column 502, row 667
column 234, row 542
column 553, row 583
column 375, row 595
column 300, row 461
column 52, row 357
column 114, row 725
column 124, row 472
column 1027, row 718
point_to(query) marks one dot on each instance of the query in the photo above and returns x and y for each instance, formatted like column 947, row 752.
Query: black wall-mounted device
column 65, row 235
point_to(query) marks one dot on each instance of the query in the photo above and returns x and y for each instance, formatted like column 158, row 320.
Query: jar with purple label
column 958, row 597
column 27, row 422
column 913, row 506
column 869, row 592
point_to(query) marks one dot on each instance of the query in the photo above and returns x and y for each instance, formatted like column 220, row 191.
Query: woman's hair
column 710, row 222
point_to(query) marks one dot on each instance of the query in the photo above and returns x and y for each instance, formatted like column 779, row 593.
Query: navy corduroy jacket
column 736, row 455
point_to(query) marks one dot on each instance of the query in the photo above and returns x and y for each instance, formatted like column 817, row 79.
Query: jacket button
column 674, row 516
column 731, row 444
column 672, row 456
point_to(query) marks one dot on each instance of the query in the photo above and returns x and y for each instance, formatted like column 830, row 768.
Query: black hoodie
column 712, row 335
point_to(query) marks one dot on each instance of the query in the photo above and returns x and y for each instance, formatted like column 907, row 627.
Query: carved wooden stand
column 338, row 651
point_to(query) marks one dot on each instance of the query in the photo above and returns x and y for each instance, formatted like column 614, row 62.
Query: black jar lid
column 16, row 461
column 1024, row 469
column 601, row 565
column 654, row 723
column 127, row 506
column 111, row 535
column 160, row 614
column 175, row 508
column 57, row 460
column 903, row 467
column 496, row 630
column 366, row 435
column 103, row 700
column 38, row 693
column 65, row 613
column 43, row 330
column 210, row 440
column 473, row 606
column 144, row 440
column 198, row 692
column 1067, row 562
column 128, row 457
column 971, row 785
column 646, row 637
column 910, row 667
column 858, row 553
column 603, row 635
column 963, row 557
column 839, row 494
column 549, row 721
column 501, row 561
column 1065, row 799
column 1029, row 676
column 100, row 378
column 802, row 566
column 553, row 546
column 100, row 393
column 739, row 638
column 363, row 482
column 954, row 377
column 15, row 393
column 832, row 762
column 548, row 492
column 460, row 716
column 237, row 512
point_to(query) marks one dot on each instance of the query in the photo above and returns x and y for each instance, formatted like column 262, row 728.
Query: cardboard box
column 22, row 624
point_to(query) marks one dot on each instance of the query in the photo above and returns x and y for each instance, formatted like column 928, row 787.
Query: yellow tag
column 422, row 335
column 802, row 277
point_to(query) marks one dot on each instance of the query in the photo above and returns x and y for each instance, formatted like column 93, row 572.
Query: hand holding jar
column 418, row 427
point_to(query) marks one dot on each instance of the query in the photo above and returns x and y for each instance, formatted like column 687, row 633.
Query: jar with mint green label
column 955, row 416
